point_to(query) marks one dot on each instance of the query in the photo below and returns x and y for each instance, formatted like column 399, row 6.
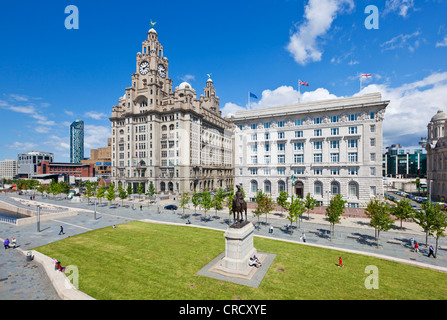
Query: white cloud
column 318, row 16
column 96, row 136
column 401, row 41
column 400, row 6
column 95, row 115
column 22, row 146
column 188, row 77
column 71, row 114
column 411, row 107
column 282, row 95
column 442, row 43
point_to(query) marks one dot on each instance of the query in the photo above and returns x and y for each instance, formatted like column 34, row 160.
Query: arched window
column 281, row 186
column 335, row 187
column 318, row 188
column 163, row 186
column 171, row 127
column 267, row 186
column 353, row 189
column 164, row 128
column 254, row 186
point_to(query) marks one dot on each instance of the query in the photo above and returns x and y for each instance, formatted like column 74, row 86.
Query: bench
column 354, row 237
column 394, row 242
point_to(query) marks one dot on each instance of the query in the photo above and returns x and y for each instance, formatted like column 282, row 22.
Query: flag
column 366, row 75
column 303, row 83
column 252, row 95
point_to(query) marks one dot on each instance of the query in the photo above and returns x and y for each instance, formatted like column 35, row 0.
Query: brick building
column 78, row 170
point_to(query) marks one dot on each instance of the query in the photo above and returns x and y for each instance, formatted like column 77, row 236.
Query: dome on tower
column 152, row 31
column 184, row 85
column 441, row 115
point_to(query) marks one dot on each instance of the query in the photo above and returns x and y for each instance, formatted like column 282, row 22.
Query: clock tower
column 167, row 137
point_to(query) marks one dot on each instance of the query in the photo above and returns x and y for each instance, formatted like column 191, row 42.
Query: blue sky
column 51, row 76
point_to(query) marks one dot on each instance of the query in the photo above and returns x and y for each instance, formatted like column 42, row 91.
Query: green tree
column 184, row 200
column 206, row 201
column 140, row 190
column 101, row 193
column 439, row 225
column 218, row 200
column 129, row 189
column 196, row 199
column 151, row 190
column 334, row 211
column 309, row 203
column 424, row 218
column 122, row 193
column 41, row 189
column 403, row 210
column 110, row 196
column 265, row 203
column 282, row 200
column 296, row 209
column 88, row 190
column 379, row 213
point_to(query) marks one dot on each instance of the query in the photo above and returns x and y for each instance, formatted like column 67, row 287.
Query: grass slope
column 159, row 262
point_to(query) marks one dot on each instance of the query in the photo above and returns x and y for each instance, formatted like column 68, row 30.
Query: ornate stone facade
column 169, row 137
column 437, row 156
column 326, row 147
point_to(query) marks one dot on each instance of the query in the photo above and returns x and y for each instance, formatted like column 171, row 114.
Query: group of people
column 254, row 262
column 10, row 244
column 431, row 249
column 58, row 266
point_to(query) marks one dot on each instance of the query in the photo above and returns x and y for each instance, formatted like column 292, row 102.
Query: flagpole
column 299, row 91
column 249, row 105
column 361, row 77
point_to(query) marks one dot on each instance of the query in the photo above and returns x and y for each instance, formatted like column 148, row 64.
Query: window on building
column 335, row 131
column 281, row 146
column 281, row 158
column 352, row 157
column 267, row 186
column 353, row 171
column 335, row 187
column 281, row 171
column 280, row 124
column 318, row 145
column 353, row 189
column 254, row 186
column 298, row 134
column 317, row 120
column 298, row 146
column 298, row 122
column 298, row 158
column 335, row 157
column 318, row 188
column 334, row 119
column 318, row 158
column 317, row 133
column 352, row 117
column 352, row 130
column 267, row 125
column 335, row 144
column 335, row 171
column 281, row 135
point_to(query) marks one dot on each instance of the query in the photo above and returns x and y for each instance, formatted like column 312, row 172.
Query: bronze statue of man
column 239, row 205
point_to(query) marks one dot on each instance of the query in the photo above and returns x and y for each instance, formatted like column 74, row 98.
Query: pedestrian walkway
column 350, row 234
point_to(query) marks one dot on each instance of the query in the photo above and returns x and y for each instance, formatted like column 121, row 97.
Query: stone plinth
column 238, row 250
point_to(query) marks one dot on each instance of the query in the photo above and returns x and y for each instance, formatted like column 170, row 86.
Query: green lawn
column 150, row 261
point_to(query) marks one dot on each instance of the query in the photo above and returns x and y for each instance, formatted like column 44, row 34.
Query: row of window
column 353, row 188
column 300, row 171
column 316, row 120
column 300, row 133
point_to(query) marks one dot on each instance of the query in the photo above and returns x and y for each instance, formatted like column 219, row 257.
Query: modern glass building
column 77, row 141
column 404, row 162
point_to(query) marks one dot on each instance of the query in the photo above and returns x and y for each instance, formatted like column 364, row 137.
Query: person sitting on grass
column 58, row 267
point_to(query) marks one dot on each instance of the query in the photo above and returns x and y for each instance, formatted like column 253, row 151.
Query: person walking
column 61, row 231
column 6, row 243
column 416, row 247
column 340, row 262
column 431, row 251
column 304, row 237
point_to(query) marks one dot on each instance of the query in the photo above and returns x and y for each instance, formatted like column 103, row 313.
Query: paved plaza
column 24, row 280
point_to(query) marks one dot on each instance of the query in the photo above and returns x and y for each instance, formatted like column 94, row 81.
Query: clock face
column 144, row 68
column 162, row 71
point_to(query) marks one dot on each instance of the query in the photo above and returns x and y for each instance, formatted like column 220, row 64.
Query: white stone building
column 8, row 169
column 327, row 147
column 169, row 137
column 437, row 156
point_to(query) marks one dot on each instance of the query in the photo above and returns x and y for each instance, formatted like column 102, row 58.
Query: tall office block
column 77, row 141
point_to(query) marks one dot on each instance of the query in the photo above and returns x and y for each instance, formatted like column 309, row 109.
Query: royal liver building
column 169, row 137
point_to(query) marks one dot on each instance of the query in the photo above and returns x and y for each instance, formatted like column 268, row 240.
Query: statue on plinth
column 239, row 207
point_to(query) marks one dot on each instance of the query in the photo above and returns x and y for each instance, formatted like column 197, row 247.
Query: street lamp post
column 38, row 218
column 95, row 211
